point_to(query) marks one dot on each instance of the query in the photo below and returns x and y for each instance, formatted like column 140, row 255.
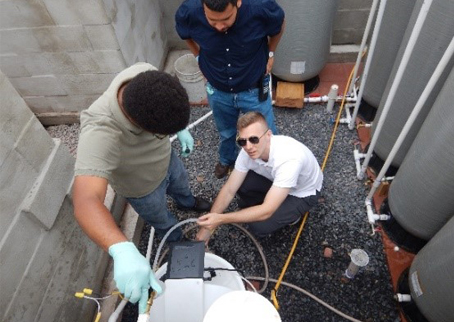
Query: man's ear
column 269, row 133
column 238, row 4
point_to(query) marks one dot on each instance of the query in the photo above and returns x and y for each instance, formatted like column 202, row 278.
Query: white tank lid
column 242, row 306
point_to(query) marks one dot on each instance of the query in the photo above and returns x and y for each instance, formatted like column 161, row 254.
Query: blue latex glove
column 132, row 274
column 186, row 141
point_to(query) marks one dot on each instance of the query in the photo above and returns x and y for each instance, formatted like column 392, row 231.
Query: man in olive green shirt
column 124, row 142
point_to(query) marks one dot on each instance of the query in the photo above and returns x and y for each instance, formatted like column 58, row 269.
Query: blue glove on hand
column 186, row 141
column 132, row 274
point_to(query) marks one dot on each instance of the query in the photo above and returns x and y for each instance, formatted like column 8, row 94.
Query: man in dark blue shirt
column 234, row 42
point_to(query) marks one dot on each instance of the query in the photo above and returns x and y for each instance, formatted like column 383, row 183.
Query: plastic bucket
column 191, row 78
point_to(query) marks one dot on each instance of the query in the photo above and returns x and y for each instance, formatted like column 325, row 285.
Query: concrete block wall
column 350, row 21
column 61, row 55
column 44, row 255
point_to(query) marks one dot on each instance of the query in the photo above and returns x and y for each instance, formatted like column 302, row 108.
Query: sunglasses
column 253, row 139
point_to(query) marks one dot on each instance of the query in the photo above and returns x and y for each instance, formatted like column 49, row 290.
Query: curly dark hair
column 218, row 5
column 156, row 102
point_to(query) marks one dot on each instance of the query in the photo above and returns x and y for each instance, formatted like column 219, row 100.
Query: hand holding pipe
column 132, row 273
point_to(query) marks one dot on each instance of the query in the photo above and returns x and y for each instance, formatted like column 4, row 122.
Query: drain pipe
column 358, row 156
column 332, row 95
column 402, row 298
column 414, row 114
column 373, row 44
column 190, row 126
column 363, row 43
column 398, row 78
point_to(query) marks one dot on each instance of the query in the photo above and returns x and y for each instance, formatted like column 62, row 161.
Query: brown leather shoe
column 220, row 170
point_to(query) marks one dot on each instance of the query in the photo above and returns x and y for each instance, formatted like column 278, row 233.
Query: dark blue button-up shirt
column 232, row 61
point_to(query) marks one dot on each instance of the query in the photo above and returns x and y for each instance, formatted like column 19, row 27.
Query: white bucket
column 191, row 78
column 189, row 299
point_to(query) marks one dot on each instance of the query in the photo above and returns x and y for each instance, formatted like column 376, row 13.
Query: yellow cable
column 287, row 262
column 328, row 151
column 98, row 317
column 336, row 125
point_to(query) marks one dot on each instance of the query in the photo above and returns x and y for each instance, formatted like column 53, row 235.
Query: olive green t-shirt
column 134, row 161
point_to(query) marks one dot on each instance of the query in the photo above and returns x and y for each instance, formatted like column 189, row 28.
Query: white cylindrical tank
column 421, row 196
column 436, row 34
column 431, row 276
column 393, row 26
column 188, row 299
column 304, row 48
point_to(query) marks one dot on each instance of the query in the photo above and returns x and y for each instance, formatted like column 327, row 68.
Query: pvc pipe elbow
column 402, row 297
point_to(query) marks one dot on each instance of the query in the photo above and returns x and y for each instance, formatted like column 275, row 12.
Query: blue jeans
column 226, row 108
column 153, row 207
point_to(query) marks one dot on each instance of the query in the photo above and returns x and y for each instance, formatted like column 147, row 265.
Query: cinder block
column 350, row 19
column 67, row 12
column 121, row 16
column 355, row 4
column 38, row 85
column 18, row 41
column 23, row 14
column 44, row 39
column 54, row 180
column 34, row 144
column 343, row 53
column 14, row 113
column 102, row 37
column 99, row 62
column 129, row 49
column 22, row 158
column 289, row 94
column 347, row 36
column 60, row 63
column 86, row 84
column 24, row 65
column 17, row 248
column 155, row 54
column 17, row 177
column 69, row 103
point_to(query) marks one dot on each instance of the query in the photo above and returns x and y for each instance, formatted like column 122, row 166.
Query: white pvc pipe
column 190, row 126
column 150, row 243
column 414, row 114
column 114, row 316
column 373, row 217
column 325, row 98
column 358, row 156
column 363, row 43
column 402, row 297
column 332, row 95
column 372, row 46
column 398, row 78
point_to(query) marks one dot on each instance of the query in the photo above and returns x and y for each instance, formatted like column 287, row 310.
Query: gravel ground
column 339, row 223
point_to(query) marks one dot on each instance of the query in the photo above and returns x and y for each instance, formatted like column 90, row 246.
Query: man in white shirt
column 276, row 178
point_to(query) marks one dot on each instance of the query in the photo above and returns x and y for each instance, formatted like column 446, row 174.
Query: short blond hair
column 250, row 118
